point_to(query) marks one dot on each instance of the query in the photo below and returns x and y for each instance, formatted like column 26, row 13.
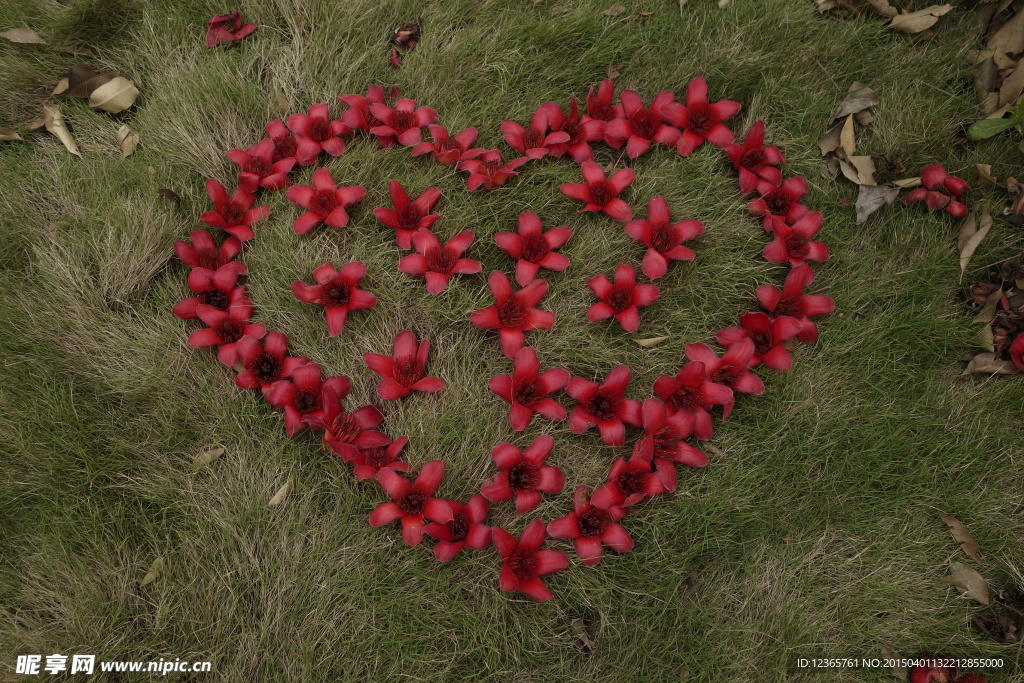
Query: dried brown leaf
column 282, row 493
column 127, row 140
column 864, row 117
column 170, row 195
column 970, row 238
column 988, row 310
column 8, row 134
column 1011, row 88
column 846, row 137
column 613, row 70
column 883, row 7
column 988, row 340
column 960, row 533
column 921, row 20
column 871, row 198
column 82, row 80
column 614, row 11
column 723, row 3
column 114, row 96
column 831, row 141
column 61, row 87
column 907, row 182
column 53, row 120
column 650, row 342
column 859, row 170
column 999, row 627
column 990, row 364
column 859, row 98
column 985, row 176
column 23, row 35
column 1008, row 40
column 154, row 572
column 969, row 582
column 584, row 638
column 207, row 456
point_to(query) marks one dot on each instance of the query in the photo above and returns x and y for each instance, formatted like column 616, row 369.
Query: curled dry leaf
column 921, row 20
column 53, row 120
column 114, row 96
column 154, row 571
column 985, row 176
column 871, row 198
column 971, row 236
column 23, row 35
column 990, row 364
column 988, row 310
column 127, row 140
column 961, row 534
column 282, row 493
column 859, row 98
column 61, row 87
column 969, row 582
column 207, row 456
column 650, row 342
column 169, row 195
column 585, row 641
column 614, row 11
column 8, row 134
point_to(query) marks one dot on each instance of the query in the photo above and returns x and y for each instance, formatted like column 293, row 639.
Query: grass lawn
column 814, row 531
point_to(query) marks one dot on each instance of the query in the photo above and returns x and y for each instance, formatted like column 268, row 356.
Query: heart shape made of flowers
column 683, row 401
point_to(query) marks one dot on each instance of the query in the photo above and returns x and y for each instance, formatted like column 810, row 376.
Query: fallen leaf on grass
column 114, row 96
column 989, row 364
column 899, row 672
column 584, row 639
column 916, row 22
column 970, row 583
column 988, row 310
column 650, row 342
column 873, row 197
column 23, row 35
column 723, row 3
column 985, row 176
column 282, row 493
column 971, row 236
column 907, row 182
column 82, row 80
column 8, row 134
column 1015, row 211
column 960, row 533
column 859, row 169
column 61, row 87
column 169, row 195
column 154, row 571
column 614, row 11
column 859, row 98
column 127, row 140
column 209, row 455
column 999, row 627
column 53, row 120
column 613, row 70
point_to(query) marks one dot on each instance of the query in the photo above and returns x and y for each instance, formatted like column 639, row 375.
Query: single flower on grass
column 533, row 248
column 285, row 144
column 600, row 193
column 225, row 328
column 404, row 372
column 412, row 502
column 324, row 201
column 792, row 243
column 490, row 170
column 266, row 361
column 370, row 461
column 538, row 140
column 359, row 117
column 437, row 264
column 664, row 240
column 528, row 390
column 315, row 132
column 405, row 122
column 731, row 370
column 202, row 252
column 768, row 336
column 226, row 28
column 258, row 168
column 449, row 150
column 302, row 396
column 467, row 529
column 590, row 528
column 234, row 215
column 582, row 130
column 940, row 191
column 756, row 163
column 664, row 434
column 524, row 562
column 346, row 434
column 631, row 481
column 782, row 201
column 791, row 301
column 217, row 288
column 700, row 120
column 601, row 106
column 691, row 390
column 513, row 313
column 337, row 291
column 641, row 125
column 604, row 405
column 409, row 216
column 621, row 298
column 523, row 475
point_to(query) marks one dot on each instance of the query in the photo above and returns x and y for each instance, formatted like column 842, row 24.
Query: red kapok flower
column 226, row 28
column 324, row 201
column 316, row 132
column 413, row 501
column 693, row 391
column 436, row 263
column 641, row 126
column 405, row 122
column 304, row 395
column 467, row 529
column 337, row 291
column 581, row 131
column 449, row 150
column 537, row 141
column 940, row 191
column 620, row 299
column 201, row 252
column 767, row 335
column 782, row 201
column 408, row 216
column 404, row 372
column 604, row 405
column 602, row 106
column 233, row 215
column 216, row 288
column 664, row 241
column 259, row 168
column 527, row 389
column 285, row 144
column 347, row 434
column 629, row 482
column 265, row 362
column 600, row 193
column 793, row 243
column 370, row 461
column 533, row 248
column 731, row 370
column 225, row 328
column 513, row 312
column 590, row 527
column 792, row 302
column 1016, row 351
column 699, row 119
column 524, row 562
column 663, row 440
column 358, row 115
column 523, row 475
column 755, row 162
column 490, row 170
